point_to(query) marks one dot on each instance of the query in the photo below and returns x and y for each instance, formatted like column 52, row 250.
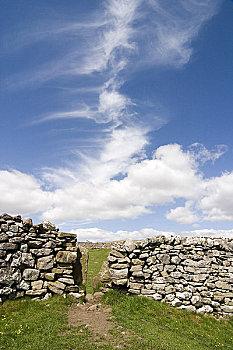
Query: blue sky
column 116, row 116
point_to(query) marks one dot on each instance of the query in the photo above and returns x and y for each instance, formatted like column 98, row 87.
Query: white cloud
column 217, row 201
column 22, row 193
column 208, row 233
column 94, row 234
column 173, row 26
column 124, row 147
column 113, row 104
column 183, row 215
column 202, row 154
column 94, row 193
column 171, row 174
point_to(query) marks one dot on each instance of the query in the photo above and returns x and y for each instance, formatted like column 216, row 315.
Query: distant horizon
column 117, row 116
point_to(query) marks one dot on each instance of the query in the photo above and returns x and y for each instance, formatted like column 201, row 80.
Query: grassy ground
column 95, row 261
column 160, row 326
column 150, row 325
column 31, row 325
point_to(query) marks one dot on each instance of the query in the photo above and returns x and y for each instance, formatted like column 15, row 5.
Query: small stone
column 227, row 308
column 8, row 246
column 45, row 263
column 89, row 298
column 129, row 245
column 56, row 287
column 118, row 274
column 36, row 292
column 176, row 302
column 67, row 257
column 205, row 309
column 49, row 276
column 92, row 307
column 28, row 260
column 66, row 280
column 41, row 252
column 24, row 285
column 37, row 285
column 47, row 296
column 3, row 237
column 157, row 296
column 35, row 244
column 27, row 222
column 77, row 295
column 31, row 274
column 74, row 288
column 6, row 291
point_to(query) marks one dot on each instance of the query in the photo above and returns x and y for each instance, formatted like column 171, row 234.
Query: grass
column 29, row 325
column 161, row 326
column 150, row 325
column 95, row 261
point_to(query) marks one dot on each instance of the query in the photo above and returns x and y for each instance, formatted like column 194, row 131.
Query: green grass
column 161, row 326
column 95, row 261
column 150, row 325
column 32, row 325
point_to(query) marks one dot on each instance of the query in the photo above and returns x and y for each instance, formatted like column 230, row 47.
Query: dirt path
column 97, row 319
column 94, row 316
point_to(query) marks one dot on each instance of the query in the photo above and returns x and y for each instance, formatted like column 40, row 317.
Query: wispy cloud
column 172, row 27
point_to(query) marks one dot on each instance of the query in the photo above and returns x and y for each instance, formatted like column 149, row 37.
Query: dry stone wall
column 190, row 273
column 37, row 261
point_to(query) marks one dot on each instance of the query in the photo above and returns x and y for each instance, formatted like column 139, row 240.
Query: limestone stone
column 139, row 274
column 6, row 291
column 8, row 246
column 27, row 222
column 120, row 282
column 137, row 262
column 24, row 285
column 175, row 260
column 35, row 244
column 102, row 279
column 129, row 245
column 164, row 258
column 157, row 296
column 223, row 285
column 37, row 285
column 134, row 291
column 49, row 276
column 117, row 254
column 56, row 287
column 36, row 292
column 3, row 237
column 73, row 288
column 135, row 285
column 31, row 274
column 119, row 266
column 118, row 274
column 66, row 257
column 66, row 280
column 28, row 260
column 190, row 308
column 41, row 251
column 205, row 309
column 45, row 263
column 227, row 308
column 196, row 301
column 169, row 297
column 77, row 295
